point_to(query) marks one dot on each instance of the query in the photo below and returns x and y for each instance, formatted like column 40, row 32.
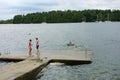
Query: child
column 37, row 47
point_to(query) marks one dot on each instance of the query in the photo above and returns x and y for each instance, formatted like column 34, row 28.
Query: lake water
column 103, row 38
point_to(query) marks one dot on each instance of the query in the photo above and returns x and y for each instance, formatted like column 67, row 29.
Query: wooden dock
column 28, row 67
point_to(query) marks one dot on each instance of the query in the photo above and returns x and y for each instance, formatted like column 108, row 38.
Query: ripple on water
column 78, row 72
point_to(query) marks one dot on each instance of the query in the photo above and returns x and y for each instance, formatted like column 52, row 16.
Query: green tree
column 18, row 19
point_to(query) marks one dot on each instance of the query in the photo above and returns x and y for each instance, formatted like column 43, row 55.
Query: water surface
column 102, row 38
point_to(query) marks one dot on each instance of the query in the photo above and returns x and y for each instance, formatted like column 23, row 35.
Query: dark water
column 102, row 38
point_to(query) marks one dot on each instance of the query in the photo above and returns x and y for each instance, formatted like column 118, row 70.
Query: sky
column 10, row 8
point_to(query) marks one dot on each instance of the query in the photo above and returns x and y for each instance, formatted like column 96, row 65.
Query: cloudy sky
column 9, row 8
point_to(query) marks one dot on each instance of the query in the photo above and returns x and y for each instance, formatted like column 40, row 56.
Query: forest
column 67, row 16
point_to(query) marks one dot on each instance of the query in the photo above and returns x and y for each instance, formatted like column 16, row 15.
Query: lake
column 102, row 38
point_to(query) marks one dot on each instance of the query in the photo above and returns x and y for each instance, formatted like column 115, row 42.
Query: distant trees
column 18, row 19
column 9, row 21
column 115, row 15
column 67, row 16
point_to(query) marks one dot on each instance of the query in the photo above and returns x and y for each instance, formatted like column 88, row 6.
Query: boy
column 37, row 47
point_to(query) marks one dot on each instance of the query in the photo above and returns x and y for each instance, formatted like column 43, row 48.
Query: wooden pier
column 28, row 67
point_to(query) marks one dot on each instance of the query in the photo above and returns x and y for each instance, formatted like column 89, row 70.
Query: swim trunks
column 37, row 46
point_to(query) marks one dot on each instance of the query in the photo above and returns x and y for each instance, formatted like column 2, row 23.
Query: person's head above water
column 30, row 40
column 36, row 38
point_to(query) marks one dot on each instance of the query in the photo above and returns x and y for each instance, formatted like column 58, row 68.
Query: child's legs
column 38, row 52
column 30, row 51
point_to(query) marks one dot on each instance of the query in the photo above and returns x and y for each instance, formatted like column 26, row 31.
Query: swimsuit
column 37, row 46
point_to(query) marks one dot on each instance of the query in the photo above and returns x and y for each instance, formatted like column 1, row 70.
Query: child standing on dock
column 37, row 47
column 30, row 47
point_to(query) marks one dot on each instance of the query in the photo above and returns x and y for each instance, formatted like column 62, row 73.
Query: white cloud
column 9, row 8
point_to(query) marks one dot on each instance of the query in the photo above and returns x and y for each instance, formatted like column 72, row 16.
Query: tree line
column 67, row 16
column 9, row 21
